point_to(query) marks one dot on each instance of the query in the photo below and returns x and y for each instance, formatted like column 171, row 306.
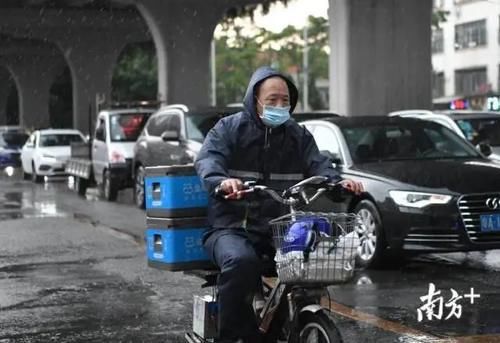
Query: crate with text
column 174, row 192
column 175, row 244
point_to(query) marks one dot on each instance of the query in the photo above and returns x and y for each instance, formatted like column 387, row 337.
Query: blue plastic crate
column 176, row 244
column 174, row 192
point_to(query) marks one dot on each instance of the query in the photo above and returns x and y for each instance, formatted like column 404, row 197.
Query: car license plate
column 490, row 222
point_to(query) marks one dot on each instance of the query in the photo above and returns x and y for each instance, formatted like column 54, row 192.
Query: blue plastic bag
column 302, row 234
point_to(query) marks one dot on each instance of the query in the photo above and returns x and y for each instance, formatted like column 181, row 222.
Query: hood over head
column 258, row 77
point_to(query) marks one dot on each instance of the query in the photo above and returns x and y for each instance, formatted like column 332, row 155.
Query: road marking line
column 400, row 329
column 472, row 339
column 378, row 322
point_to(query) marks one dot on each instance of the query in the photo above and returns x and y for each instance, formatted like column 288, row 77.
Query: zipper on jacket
column 265, row 159
column 267, row 139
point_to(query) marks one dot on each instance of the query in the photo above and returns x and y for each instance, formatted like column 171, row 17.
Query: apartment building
column 466, row 53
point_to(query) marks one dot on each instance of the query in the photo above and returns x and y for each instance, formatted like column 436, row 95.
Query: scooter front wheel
column 315, row 327
column 191, row 337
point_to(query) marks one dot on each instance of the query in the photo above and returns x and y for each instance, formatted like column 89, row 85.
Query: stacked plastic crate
column 176, row 209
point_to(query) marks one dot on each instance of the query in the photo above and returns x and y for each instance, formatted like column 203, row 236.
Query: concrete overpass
column 88, row 40
column 380, row 61
column 33, row 66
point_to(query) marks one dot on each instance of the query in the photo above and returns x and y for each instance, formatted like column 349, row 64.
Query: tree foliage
column 249, row 10
column 239, row 55
column 439, row 16
column 135, row 75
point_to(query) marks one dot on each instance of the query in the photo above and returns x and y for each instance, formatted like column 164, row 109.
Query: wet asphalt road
column 73, row 270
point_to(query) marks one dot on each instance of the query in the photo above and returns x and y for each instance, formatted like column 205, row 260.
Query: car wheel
column 139, row 194
column 26, row 176
column 109, row 189
column 81, row 185
column 372, row 247
column 34, row 177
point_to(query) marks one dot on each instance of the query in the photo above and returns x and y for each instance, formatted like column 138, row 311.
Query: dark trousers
column 237, row 253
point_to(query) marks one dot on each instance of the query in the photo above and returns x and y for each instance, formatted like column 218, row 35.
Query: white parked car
column 46, row 152
column 431, row 116
column 480, row 128
column 410, row 113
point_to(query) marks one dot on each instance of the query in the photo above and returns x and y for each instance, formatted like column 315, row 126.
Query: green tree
column 439, row 16
column 238, row 56
column 135, row 75
column 249, row 10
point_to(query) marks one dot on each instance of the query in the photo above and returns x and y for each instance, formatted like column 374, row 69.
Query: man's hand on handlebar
column 353, row 186
column 231, row 187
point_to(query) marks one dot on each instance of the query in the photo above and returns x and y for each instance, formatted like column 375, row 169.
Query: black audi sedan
column 427, row 189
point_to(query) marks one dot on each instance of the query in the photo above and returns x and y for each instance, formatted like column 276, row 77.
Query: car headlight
column 418, row 199
column 48, row 157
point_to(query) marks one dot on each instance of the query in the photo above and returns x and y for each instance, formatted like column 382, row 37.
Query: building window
column 470, row 35
column 437, row 85
column 437, row 41
column 471, row 81
column 438, row 3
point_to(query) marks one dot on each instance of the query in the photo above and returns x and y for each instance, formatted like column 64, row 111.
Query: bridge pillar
column 182, row 32
column 90, row 40
column 5, row 83
column 380, row 56
column 91, row 60
column 34, row 76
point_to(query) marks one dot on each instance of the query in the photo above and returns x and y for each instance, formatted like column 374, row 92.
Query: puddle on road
column 125, row 196
column 19, row 201
column 11, row 205
column 488, row 260
column 11, row 200
column 40, row 200
column 19, row 208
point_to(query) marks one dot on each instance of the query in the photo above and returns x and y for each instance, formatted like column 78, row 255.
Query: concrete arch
column 33, row 90
column 5, row 88
column 90, row 41
column 182, row 32
column 91, row 64
column 16, row 82
column 33, row 66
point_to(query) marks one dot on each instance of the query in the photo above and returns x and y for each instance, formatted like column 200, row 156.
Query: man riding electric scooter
column 261, row 144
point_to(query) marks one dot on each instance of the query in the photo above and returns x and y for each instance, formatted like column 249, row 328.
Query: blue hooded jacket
column 241, row 146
